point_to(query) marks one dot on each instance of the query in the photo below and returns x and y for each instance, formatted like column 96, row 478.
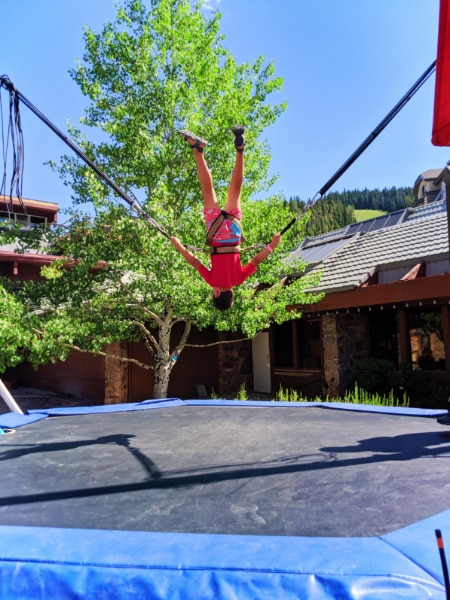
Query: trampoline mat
column 223, row 469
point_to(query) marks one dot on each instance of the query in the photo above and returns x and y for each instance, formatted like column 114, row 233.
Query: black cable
column 134, row 204
column 14, row 134
column 369, row 139
column 376, row 132
column 18, row 154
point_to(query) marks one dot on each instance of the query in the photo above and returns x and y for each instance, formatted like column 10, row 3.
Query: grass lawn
column 364, row 215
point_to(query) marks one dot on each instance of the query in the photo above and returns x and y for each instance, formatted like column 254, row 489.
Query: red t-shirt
column 226, row 270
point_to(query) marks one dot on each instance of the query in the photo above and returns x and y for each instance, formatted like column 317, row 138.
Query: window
column 383, row 335
column 25, row 220
column 426, row 338
column 297, row 345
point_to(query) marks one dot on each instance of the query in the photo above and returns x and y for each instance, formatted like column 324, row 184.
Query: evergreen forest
column 337, row 209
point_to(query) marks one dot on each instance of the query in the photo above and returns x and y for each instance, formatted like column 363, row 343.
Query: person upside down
column 223, row 226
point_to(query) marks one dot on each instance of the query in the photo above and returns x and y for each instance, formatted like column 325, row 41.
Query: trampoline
column 223, row 499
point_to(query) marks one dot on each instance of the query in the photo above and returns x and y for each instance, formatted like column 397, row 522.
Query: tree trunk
column 162, row 378
column 165, row 359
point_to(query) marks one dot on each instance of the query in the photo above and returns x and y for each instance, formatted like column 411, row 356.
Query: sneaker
column 444, row 420
column 239, row 140
column 199, row 143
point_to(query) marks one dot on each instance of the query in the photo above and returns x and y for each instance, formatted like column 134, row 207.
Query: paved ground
column 32, row 398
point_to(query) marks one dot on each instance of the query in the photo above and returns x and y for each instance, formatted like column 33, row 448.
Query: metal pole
column 7, row 397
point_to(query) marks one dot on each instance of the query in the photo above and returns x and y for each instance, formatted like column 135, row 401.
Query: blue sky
column 345, row 64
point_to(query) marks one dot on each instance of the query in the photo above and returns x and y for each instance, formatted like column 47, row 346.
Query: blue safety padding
column 158, row 402
column 386, row 410
column 12, row 420
column 389, row 410
column 37, row 563
column 108, row 408
column 258, row 403
column 418, row 542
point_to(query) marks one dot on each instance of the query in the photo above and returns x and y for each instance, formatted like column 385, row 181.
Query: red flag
column 441, row 119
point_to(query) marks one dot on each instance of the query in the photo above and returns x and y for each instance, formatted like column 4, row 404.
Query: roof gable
column 352, row 255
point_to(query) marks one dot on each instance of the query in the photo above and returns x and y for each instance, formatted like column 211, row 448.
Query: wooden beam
column 418, row 271
column 431, row 289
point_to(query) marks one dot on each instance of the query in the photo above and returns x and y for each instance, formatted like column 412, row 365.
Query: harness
column 225, row 249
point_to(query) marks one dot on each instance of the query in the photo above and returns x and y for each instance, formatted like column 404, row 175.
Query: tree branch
column 246, row 339
column 101, row 353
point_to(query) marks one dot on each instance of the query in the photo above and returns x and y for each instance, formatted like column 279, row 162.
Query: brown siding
column 195, row 366
column 81, row 375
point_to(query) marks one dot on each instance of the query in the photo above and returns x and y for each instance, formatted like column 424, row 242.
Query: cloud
column 211, row 4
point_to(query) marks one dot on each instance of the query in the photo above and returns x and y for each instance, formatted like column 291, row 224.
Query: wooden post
column 445, row 317
column 7, row 397
column 403, row 337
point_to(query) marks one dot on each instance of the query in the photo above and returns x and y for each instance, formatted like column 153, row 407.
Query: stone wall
column 345, row 339
column 235, row 365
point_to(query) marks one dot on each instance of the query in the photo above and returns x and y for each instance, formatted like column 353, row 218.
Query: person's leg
column 237, row 178
column 206, row 181
column 204, row 174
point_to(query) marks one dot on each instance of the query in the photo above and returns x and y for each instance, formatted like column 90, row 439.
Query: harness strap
column 217, row 223
column 225, row 249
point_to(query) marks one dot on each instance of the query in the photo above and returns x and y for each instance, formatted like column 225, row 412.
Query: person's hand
column 176, row 242
column 275, row 240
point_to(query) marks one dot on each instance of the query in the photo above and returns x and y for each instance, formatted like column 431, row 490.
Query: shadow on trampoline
column 408, row 446
column 370, row 451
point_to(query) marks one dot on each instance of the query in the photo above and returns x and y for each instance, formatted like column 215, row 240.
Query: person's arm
column 264, row 253
column 188, row 256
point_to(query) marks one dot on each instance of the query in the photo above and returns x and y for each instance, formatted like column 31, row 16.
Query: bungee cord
column 15, row 134
column 364, row 145
column 12, row 146
column 6, row 83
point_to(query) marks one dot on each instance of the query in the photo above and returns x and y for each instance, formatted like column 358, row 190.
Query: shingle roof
column 349, row 257
column 438, row 207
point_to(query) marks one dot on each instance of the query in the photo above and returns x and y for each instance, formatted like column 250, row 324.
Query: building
column 22, row 263
column 380, row 278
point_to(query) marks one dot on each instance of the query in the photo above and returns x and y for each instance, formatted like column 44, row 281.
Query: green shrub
column 423, row 391
column 375, row 376
column 361, row 396
column 355, row 396
column 288, row 395
column 380, row 377
column 242, row 393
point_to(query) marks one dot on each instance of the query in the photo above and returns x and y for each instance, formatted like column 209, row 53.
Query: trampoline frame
column 47, row 562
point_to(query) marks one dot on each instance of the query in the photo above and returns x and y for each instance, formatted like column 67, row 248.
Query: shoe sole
column 188, row 134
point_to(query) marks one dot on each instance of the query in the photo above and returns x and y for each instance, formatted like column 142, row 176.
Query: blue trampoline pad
column 223, row 500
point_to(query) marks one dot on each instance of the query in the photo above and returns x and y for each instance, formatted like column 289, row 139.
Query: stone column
column 235, row 365
column 116, row 374
column 330, row 355
column 345, row 339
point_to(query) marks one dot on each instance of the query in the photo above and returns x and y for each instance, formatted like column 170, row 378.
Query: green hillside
column 338, row 209
column 364, row 215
